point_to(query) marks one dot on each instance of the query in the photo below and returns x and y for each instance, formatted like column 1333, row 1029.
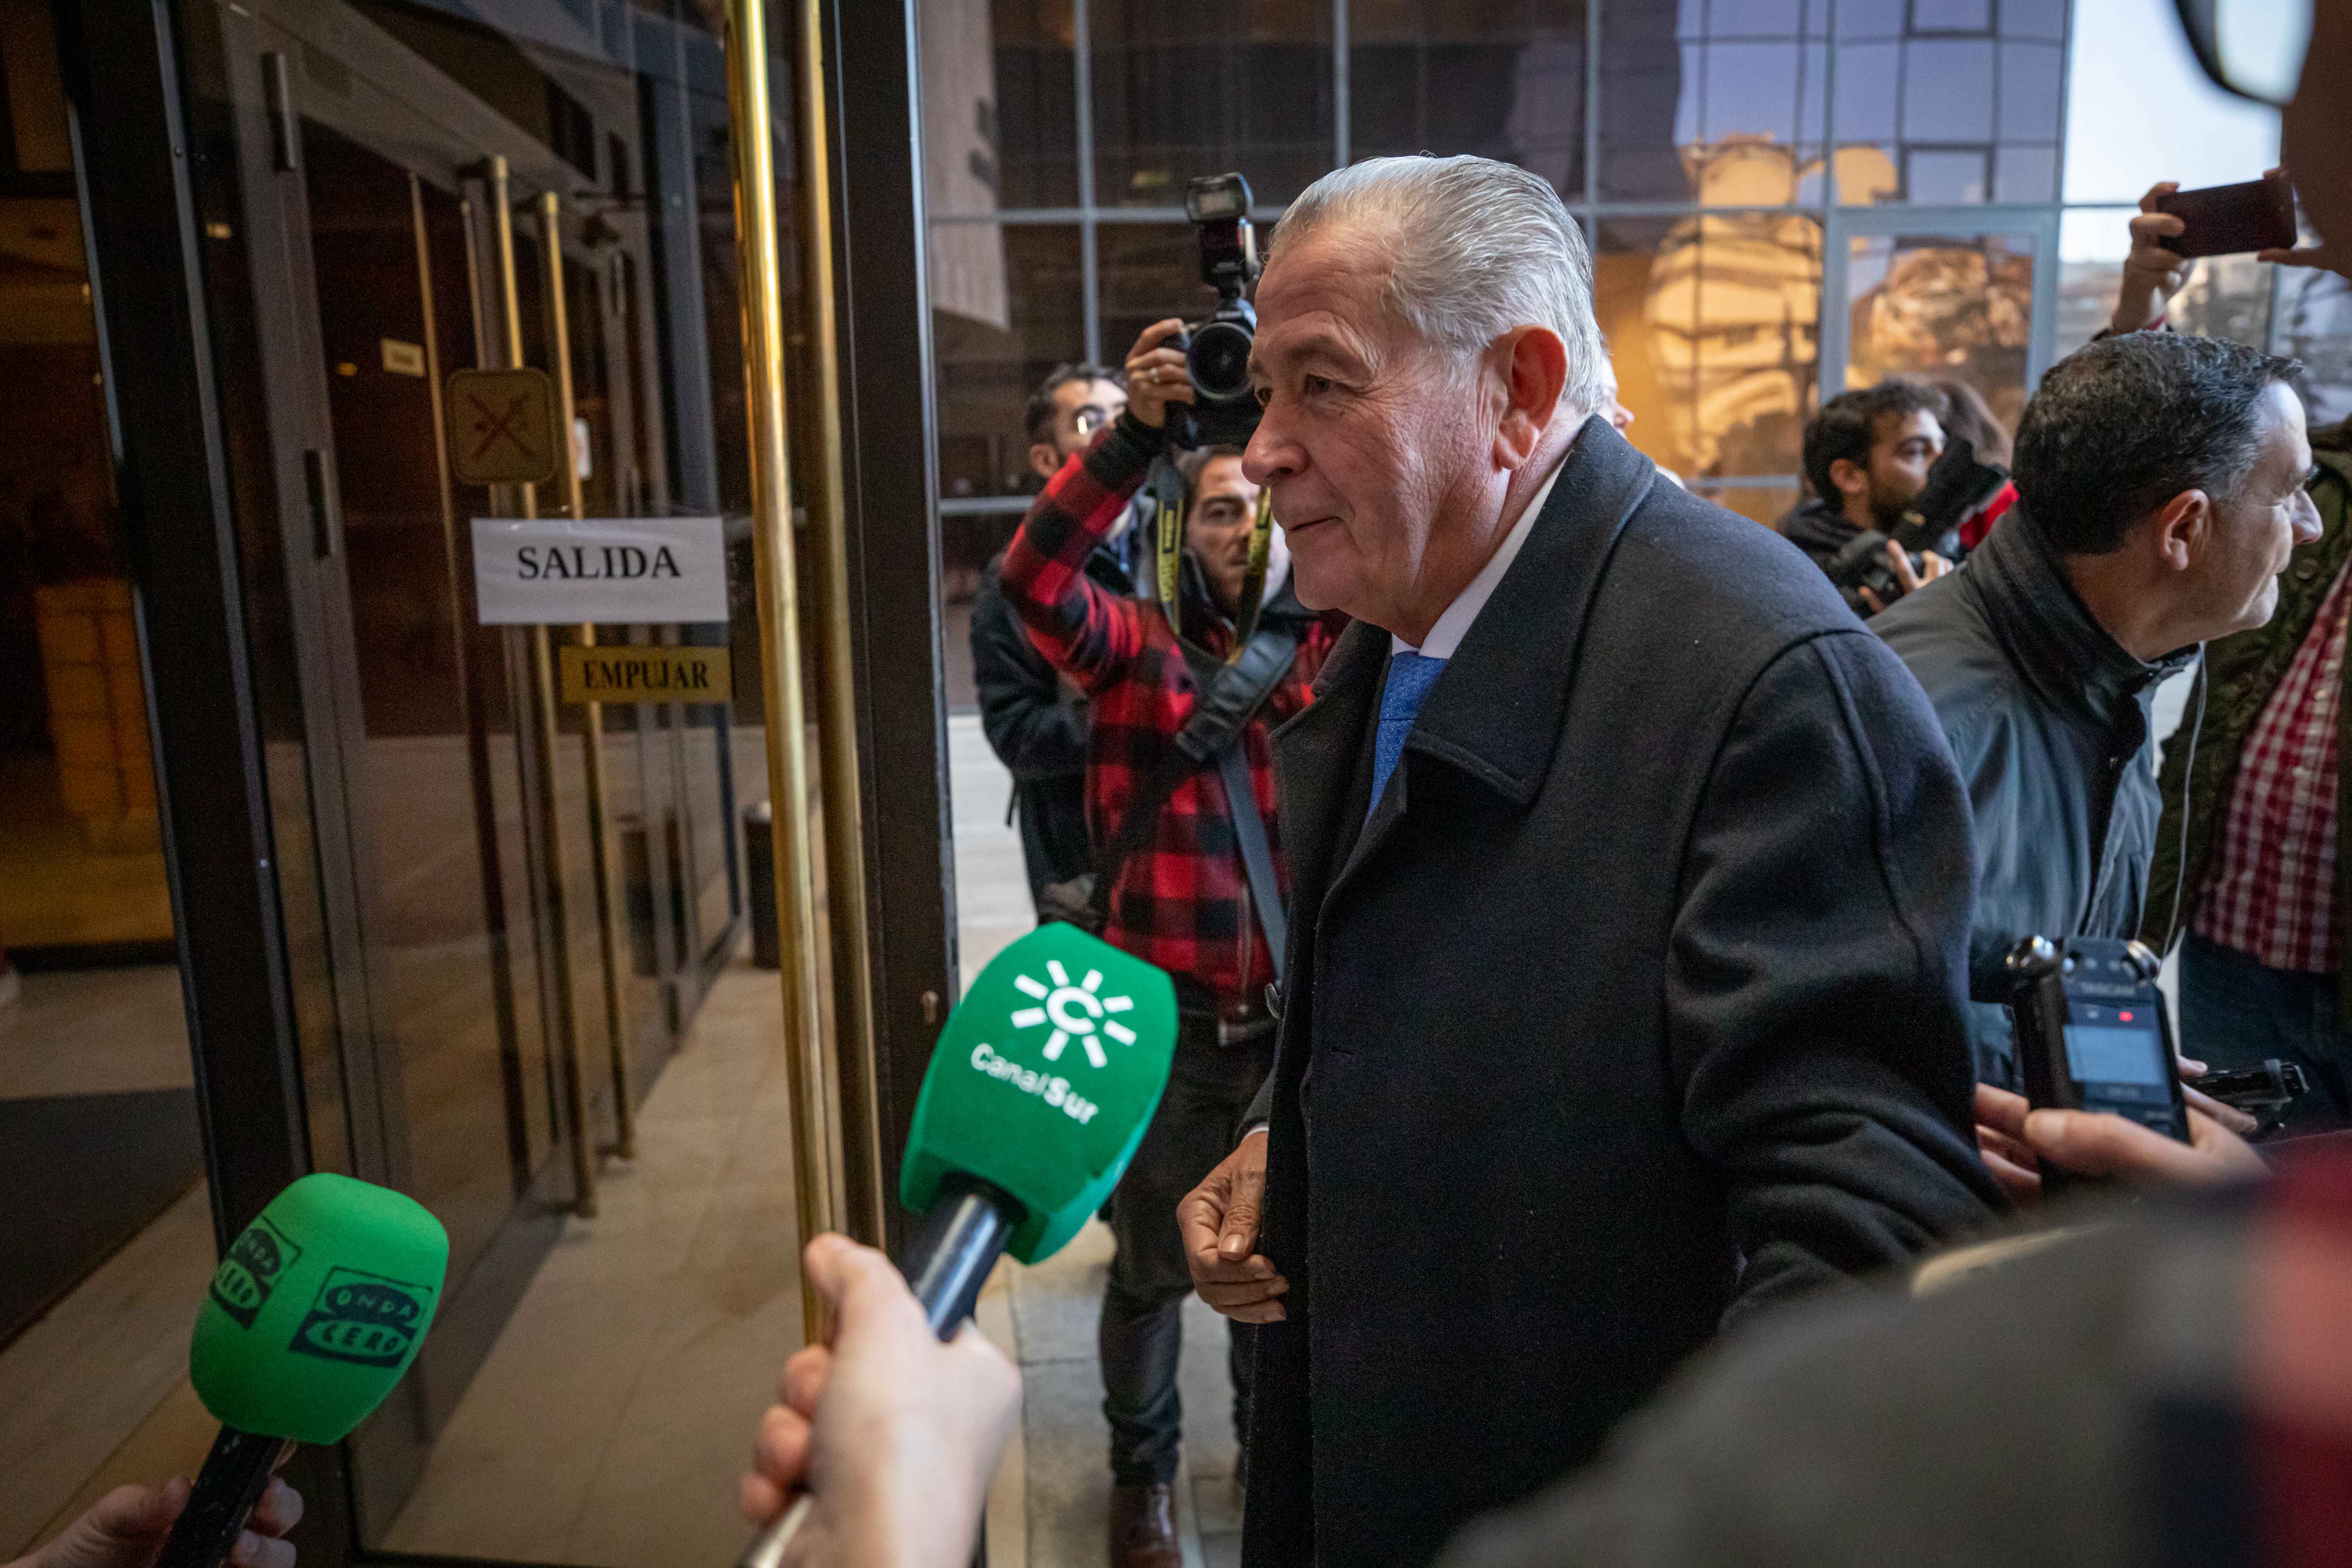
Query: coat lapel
column 1315, row 754
column 1496, row 710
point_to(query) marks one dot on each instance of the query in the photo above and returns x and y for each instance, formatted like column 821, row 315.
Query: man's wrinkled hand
column 2100, row 1143
column 1219, row 1220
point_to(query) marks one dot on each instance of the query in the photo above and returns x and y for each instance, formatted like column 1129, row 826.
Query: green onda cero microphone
column 316, row 1311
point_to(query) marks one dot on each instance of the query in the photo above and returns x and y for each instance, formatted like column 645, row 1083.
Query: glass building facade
column 1783, row 197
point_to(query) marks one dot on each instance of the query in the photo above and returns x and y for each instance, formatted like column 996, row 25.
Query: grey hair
column 1475, row 248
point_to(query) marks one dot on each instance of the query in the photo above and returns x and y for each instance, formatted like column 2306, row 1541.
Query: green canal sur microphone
column 1038, row 1092
column 312, row 1317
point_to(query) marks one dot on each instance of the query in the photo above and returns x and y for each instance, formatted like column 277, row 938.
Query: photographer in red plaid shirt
column 1173, row 885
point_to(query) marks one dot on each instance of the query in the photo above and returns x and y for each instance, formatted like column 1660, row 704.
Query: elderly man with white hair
column 1630, row 894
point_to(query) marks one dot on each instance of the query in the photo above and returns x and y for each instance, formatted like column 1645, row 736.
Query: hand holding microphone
column 321, row 1305
column 318, row 1307
column 126, row 1529
column 1038, row 1092
column 891, row 1432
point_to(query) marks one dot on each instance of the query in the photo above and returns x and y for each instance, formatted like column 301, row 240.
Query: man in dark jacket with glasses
column 1035, row 723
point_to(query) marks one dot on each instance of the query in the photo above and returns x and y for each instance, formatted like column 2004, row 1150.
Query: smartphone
column 2224, row 220
column 2093, row 1033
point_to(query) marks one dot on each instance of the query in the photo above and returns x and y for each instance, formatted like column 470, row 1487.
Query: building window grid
column 1817, row 27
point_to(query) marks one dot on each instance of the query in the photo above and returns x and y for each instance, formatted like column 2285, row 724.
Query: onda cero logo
column 251, row 1271
column 364, row 1319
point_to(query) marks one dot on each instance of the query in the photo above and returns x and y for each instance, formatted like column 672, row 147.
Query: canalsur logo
column 364, row 1319
column 251, row 1271
column 1075, row 1011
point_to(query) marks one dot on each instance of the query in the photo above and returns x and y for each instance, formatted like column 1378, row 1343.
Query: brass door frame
column 865, row 1184
column 592, row 725
column 540, row 699
column 814, row 1185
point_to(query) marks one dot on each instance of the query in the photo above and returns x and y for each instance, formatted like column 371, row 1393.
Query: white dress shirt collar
column 1446, row 635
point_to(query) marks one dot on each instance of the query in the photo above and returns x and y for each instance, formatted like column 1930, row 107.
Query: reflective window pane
column 1685, row 85
column 1007, row 305
column 1871, row 19
column 1946, row 87
column 1934, row 109
column 2025, row 174
column 1182, row 92
column 2313, row 322
column 1150, row 271
column 2030, row 90
column 1502, row 80
column 1000, row 105
column 1940, row 178
column 1712, row 324
column 1869, row 88
column 1951, row 16
column 2032, row 19
column 1943, row 306
column 2090, row 248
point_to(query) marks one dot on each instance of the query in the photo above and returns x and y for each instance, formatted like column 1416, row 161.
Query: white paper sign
column 627, row 570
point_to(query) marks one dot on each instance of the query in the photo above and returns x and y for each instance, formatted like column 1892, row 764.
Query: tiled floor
column 1049, row 1508
column 609, row 1424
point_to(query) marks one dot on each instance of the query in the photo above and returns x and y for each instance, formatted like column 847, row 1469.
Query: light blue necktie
column 1410, row 675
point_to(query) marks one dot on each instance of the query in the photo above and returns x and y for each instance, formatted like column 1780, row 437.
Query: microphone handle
column 235, row 1473
column 954, row 1246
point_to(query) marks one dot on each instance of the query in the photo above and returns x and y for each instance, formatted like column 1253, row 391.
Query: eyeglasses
column 1090, row 419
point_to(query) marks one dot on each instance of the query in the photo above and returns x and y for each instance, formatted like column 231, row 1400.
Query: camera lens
column 1219, row 360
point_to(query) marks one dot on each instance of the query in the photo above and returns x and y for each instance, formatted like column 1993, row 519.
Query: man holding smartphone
column 2254, row 882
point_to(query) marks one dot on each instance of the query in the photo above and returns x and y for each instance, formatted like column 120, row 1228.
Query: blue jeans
column 2236, row 1011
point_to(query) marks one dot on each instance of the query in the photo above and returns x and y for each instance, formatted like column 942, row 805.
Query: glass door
column 1946, row 293
column 520, row 919
column 109, row 1235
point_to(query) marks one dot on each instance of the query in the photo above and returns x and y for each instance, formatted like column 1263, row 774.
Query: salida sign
column 629, row 570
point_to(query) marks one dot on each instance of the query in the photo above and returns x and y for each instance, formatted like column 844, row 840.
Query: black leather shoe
column 1143, row 1526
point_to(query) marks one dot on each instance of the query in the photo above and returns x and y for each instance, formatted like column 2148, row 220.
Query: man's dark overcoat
column 1652, row 960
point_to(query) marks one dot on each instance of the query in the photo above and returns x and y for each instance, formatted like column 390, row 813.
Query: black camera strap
column 1229, row 696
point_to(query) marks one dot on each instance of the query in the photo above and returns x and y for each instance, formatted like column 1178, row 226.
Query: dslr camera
column 1224, row 410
